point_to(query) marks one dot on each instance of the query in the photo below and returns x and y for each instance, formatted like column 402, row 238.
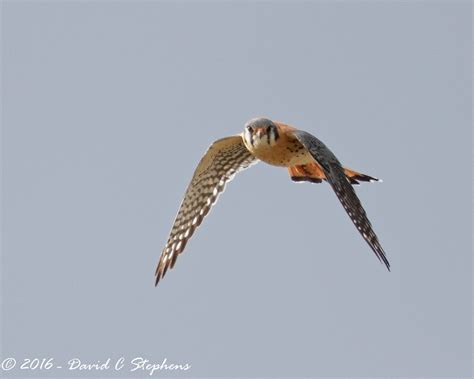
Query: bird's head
column 260, row 132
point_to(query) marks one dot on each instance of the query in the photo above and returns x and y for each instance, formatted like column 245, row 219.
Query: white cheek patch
column 248, row 137
column 261, row 142
column 272, row 138
column 256, row 141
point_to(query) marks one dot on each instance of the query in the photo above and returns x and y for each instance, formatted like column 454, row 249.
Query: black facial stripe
column 275, row 133
column 272, row 131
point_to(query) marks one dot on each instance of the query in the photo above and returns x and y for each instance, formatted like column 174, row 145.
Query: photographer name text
column 137, row 364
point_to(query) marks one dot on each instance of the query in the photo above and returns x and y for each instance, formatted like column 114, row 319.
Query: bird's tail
column 356, row 177
column 313, row 173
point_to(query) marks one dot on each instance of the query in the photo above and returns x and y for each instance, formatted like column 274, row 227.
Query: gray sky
column 107, row 108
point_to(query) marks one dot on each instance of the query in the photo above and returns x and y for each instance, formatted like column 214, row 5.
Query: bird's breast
column 284, row 152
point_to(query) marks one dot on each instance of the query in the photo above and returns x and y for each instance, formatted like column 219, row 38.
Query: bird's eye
column 249, row 128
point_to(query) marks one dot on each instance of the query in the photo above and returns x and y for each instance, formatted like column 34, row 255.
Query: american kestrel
column 278, row 144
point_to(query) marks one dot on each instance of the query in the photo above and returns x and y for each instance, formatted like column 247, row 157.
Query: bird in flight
column 278, row 144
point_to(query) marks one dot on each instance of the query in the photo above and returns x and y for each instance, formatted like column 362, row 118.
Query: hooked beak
column 259, row 132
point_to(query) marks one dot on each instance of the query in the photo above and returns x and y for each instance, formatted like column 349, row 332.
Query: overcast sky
column 108, row 107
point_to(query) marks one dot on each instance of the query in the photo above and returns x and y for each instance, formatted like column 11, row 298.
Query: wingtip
column 160, row 275
column 386, row 262
column 383, row 258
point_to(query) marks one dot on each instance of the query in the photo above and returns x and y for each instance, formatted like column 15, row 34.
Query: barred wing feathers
column 336, row 177
column 223, row 159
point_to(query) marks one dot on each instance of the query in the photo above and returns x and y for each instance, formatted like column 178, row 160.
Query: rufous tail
column 313, row 173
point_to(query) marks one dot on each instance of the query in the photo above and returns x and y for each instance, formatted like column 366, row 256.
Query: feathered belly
column 283, row 155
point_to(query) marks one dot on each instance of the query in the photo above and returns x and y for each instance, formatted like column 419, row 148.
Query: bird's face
column 260, row 132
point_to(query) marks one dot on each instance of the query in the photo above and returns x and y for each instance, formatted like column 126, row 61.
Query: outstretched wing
column 222, row 161
column 336, row 177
